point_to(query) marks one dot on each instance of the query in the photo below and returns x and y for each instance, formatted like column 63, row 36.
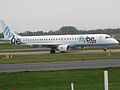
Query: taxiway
column 59, row 65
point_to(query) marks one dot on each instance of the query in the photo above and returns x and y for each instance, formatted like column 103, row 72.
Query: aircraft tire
column 52, row 51
column 63, row 52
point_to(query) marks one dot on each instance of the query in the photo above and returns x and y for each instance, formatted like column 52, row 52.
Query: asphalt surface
column 47, row 52
column 59, row 65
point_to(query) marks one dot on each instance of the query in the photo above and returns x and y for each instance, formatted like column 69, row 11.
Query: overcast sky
column 46, row 15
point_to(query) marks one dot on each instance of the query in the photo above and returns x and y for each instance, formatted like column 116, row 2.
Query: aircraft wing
column 49, row 45
column 44, row 44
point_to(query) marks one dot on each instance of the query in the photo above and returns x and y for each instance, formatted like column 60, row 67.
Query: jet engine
column 64, row 48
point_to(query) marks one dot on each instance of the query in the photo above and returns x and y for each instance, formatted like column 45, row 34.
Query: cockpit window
column 108, row 37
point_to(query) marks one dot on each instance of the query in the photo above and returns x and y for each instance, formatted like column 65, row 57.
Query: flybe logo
column 7, row 33
column 15, row 40
column 87, row 39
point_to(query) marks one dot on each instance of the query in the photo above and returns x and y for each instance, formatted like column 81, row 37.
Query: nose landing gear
column 105, row 49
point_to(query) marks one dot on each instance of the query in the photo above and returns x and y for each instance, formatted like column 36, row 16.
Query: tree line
column 69, row 30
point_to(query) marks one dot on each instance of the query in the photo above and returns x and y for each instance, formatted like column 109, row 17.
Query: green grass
column 118, row 41
column 11, row 46
column 35, row 50
column 83, row 79
column 57, row 57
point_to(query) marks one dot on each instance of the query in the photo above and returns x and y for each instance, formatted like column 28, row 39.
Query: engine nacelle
column 63, row 48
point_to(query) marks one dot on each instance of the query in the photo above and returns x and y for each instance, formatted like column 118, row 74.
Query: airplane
column 63, row 43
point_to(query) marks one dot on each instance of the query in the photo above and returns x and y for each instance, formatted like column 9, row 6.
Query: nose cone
column 116, row 42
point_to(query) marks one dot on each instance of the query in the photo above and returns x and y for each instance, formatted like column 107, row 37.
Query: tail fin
column 8, row 34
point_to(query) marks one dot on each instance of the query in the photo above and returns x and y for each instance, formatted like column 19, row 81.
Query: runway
column 59, row 65
column 47, row 52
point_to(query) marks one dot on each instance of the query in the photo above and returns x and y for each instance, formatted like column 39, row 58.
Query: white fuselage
column 71, row 40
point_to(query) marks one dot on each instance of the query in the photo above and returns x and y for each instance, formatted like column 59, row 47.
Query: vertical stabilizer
column 8, row 34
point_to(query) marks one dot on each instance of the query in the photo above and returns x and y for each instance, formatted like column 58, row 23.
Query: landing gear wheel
column 82, row 47
column 105, row 49
column 52, row 51
column 62, row 51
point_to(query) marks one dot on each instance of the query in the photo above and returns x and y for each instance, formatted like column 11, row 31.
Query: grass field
column 57, row 57
column 11, row 46
column 119, row 41
column 83, row 79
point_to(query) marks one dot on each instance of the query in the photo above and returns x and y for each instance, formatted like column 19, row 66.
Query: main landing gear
column 82, row 47
column 52, row 51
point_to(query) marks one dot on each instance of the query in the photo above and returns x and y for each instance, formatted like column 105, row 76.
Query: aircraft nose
column 117, row 42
